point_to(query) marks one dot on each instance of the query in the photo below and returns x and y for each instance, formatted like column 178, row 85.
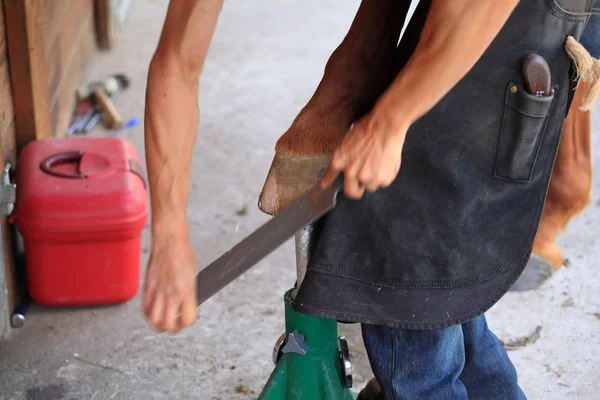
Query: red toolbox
column 81, row 207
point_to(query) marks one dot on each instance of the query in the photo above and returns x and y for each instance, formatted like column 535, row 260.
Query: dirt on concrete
column 266, row 60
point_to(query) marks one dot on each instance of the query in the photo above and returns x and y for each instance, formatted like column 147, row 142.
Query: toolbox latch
column 8, row 193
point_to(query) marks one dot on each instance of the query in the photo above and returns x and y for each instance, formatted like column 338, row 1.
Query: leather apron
column 451, row 235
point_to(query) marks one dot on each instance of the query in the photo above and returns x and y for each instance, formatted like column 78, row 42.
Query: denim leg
column 590, row 39
column 417, row 365
column 488, row 372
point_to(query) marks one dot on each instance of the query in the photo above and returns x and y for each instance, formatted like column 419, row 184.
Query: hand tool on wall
column 112, row 86
column 82, row 112
column 123, row 84
column 112, row 116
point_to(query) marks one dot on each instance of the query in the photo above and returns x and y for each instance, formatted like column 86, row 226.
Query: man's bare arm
column 455, row 35
column 172, row 114
column 171, row 123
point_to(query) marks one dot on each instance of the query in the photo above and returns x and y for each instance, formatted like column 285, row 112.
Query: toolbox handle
column 137, row 169
column 67, row 157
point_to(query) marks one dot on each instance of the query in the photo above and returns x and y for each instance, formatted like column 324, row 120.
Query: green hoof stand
column 310, row 366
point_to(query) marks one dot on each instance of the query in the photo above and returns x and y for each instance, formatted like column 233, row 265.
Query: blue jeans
column 590, row 39
column 460, row 362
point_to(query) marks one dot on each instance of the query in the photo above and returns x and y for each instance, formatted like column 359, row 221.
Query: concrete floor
column 262, row 68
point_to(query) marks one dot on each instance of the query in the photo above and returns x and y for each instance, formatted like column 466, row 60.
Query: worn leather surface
column 454, row 231
column 521, row 132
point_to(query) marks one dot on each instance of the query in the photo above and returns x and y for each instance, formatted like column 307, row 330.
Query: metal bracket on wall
column 8, row 193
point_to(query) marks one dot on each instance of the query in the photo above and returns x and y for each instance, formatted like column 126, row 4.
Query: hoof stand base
column 315, row 375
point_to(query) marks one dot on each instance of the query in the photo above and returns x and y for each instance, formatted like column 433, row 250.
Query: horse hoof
column 537, row 271
column 289, row 178
column 372, row 391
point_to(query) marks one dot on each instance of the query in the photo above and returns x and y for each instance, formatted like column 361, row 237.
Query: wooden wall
column 7, row 154
column 44, row 47
column 48, row 45
column 7, row 112
column 68, row 36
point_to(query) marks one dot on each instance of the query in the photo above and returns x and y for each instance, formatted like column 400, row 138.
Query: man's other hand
column 170, row 287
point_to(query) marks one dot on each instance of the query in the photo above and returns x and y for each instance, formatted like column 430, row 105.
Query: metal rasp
column 305, row 210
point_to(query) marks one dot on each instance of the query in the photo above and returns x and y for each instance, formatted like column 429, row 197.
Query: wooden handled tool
column 111, row 114
column 536, row 75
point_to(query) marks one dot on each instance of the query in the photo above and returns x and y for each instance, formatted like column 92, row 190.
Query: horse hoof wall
column 537, row 271
column 372, row 391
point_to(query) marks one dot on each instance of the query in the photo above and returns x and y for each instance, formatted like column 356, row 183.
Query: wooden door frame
column 27, row 70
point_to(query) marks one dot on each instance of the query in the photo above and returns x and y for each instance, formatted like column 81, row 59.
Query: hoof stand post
column 309, row 363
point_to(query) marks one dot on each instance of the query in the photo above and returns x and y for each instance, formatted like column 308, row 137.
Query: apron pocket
column 523, row 125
